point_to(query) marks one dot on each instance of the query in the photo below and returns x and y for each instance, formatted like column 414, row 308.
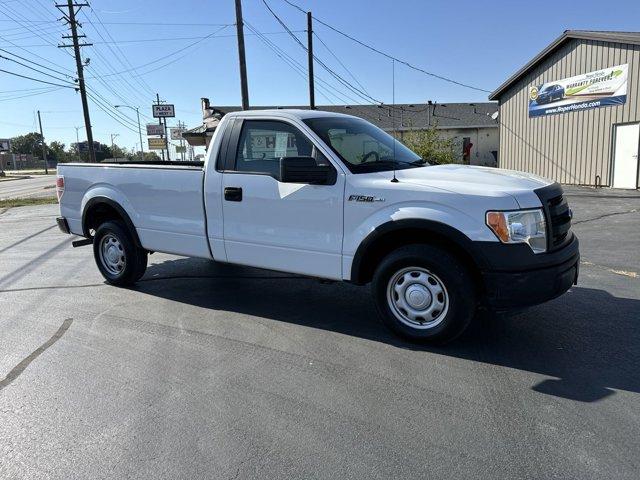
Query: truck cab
column 334, row 197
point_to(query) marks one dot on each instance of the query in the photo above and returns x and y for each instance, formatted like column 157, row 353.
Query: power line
column 122, row 59
column 357, row 91
column 212, row 35
column 36, row 63
column 33, row 68
column 338, row 60
column 323, row 87
column 48, row 90
column 147, row 40
column 391, row 57
column 36, row 80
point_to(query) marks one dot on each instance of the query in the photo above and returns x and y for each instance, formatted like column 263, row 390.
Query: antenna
column 393, row 118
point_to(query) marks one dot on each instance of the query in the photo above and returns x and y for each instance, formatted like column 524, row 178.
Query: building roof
column 632, row 38
column 407, row 116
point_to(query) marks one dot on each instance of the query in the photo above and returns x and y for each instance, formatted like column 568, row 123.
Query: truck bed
column 164, row 200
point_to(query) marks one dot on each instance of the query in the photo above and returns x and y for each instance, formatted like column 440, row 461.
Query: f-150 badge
column 365, row 198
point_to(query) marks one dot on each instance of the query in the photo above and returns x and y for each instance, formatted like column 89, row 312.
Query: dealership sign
column 155, row 129
column 164, row 110
column 600, row 88
column 157, row 143
column 5, row 144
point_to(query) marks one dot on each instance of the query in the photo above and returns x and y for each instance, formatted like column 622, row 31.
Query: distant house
column 472, row 126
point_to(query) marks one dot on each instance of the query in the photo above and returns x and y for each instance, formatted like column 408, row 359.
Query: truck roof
column 287, row 112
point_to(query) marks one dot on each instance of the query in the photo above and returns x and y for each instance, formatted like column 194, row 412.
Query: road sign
column 164, row 110
column 157, row 143
column 84, row 147
column 5, row 144
column 155, row 129
column 180, row 149
column 176, row 133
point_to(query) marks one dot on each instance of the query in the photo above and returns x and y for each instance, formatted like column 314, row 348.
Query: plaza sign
column 600, row 88
column 165, row 110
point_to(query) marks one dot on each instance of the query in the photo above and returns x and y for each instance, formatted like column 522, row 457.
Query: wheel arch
column 100, row 209
column 397, row 233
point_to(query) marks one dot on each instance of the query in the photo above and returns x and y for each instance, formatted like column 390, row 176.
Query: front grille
column 558, row 215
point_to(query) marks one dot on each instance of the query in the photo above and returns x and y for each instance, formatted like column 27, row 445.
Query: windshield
column 363, row 147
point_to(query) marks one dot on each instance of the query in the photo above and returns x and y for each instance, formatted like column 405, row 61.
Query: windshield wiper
column 420, row 161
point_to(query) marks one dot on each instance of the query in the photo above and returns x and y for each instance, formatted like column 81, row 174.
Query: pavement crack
column 22, row 366
column 28, row 237
column 634, row 210
column 617, row 271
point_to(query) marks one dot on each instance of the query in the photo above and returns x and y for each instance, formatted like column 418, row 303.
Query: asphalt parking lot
column 214, row 371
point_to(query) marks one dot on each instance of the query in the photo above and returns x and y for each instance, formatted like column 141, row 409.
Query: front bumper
column 63, row 225
column 550, row 278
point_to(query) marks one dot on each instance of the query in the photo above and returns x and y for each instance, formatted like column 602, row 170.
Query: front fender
column 458, row 220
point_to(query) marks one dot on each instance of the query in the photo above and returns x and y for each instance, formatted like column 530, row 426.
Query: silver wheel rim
column 417, row 298
column 112, row 254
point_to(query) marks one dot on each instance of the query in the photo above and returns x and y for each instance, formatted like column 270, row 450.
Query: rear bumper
column 526, row 287
column 63, row 225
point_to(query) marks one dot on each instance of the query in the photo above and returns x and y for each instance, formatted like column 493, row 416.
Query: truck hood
column 472, row 180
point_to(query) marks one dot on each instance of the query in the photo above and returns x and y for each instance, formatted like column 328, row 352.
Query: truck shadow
column 588, row 341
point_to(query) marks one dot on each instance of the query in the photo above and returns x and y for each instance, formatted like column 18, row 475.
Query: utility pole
column 165, row 131
column 243, row 63
column 113, row 135
column 139, row 127
column 312, row 93
column 73, row 24
column 181, row 126
column 44, row 147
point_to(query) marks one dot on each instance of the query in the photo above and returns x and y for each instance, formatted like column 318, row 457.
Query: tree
column 431, row 146
column 56, row 151
column 151, row 157
column 31, row 143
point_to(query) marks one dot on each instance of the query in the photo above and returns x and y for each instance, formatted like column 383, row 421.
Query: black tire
column 134, row 258
column 455, row 307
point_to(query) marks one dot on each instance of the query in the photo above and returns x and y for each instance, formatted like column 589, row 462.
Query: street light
column 139, row 128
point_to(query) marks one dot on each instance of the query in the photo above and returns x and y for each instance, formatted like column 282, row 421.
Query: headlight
column 522, row 226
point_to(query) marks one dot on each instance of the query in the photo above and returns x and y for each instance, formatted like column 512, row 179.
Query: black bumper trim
column 63, row 225
column 507, row 290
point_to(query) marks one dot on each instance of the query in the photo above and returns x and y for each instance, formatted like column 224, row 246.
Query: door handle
column 233, row 194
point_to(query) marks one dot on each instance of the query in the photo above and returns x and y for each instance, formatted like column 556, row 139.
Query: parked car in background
column 550, row 93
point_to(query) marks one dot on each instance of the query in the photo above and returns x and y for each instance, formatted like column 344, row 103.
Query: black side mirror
column 305, row 170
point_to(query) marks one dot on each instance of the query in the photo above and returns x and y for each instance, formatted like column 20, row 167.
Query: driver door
column 291, row 227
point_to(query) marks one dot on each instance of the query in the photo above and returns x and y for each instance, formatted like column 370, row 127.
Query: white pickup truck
column 334, row 197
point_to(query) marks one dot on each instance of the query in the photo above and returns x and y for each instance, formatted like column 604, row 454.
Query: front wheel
column 117, row 257
column 424, row 293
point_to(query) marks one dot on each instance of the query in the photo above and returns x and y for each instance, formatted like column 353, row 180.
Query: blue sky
column 478, row 43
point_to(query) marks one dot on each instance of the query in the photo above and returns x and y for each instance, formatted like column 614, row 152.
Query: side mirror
column 305, row 170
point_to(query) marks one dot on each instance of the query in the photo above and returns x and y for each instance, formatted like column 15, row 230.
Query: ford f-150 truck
column 332, row 196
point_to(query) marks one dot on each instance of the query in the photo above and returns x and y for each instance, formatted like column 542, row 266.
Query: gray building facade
column 576, row 144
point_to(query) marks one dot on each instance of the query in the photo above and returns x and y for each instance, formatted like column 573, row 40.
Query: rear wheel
column 424, row 293
column 117, row 257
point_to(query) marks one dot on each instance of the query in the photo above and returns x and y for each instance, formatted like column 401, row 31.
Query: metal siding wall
column 569, row 147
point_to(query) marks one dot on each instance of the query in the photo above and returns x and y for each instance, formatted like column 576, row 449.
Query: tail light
column 59, row 186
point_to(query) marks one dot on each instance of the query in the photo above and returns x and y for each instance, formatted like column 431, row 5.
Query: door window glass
column 262, row 143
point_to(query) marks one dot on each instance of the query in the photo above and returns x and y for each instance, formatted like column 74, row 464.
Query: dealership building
column 572, row 114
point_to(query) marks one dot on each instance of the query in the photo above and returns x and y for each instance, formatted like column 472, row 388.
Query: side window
column 263, row 142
